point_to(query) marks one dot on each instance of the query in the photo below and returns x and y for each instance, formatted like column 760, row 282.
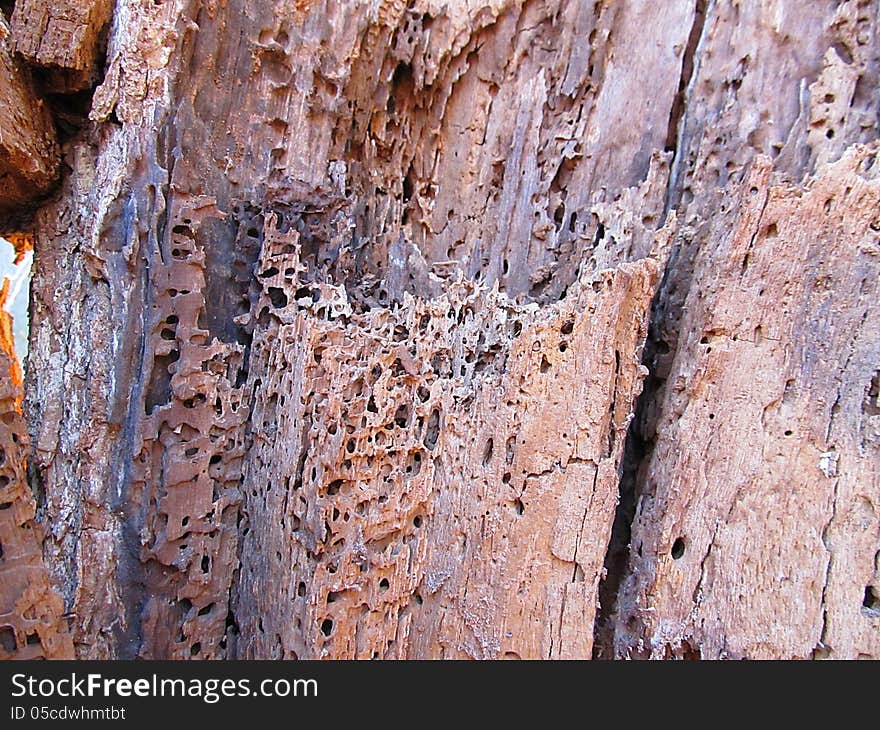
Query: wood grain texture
column 769, row 548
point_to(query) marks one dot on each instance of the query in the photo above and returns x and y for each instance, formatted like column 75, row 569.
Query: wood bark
column 341, row 315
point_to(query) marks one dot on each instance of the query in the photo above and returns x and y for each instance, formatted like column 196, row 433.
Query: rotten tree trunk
column 340, row 318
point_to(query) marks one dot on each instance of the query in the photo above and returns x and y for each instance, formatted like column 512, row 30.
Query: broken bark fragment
column 29, row 156
column 61, row 34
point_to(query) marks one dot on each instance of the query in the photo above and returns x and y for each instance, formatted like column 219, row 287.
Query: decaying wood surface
column 31, row 621
column 341, row 314
column 788, row 520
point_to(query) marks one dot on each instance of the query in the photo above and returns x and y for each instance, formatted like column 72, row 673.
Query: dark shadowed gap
column 639, row 438
column 676, row 114
column 636, row 453
column 675, row 131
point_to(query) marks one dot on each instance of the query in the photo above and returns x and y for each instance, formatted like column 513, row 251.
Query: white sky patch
column 19, row 293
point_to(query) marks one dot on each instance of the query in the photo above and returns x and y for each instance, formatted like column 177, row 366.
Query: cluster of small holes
column 201, row 453
column 356, row 497
column 27, row 617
